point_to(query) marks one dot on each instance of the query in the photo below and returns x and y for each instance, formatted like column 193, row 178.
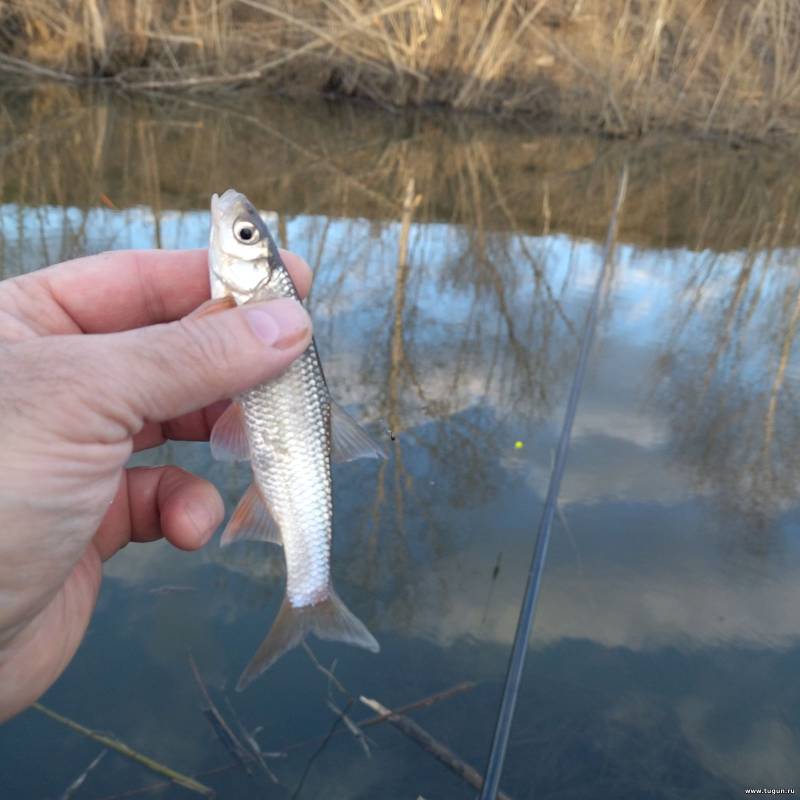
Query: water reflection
column 744, row 313
column 453, row 266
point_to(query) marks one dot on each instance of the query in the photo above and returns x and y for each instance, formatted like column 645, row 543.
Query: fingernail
column 279, row 323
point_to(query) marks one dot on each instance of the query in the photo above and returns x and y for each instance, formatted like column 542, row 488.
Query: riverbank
column 705, row 66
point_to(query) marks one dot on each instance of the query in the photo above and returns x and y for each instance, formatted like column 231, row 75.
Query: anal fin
column 251, row 521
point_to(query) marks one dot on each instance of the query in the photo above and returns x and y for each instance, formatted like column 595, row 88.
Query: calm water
column 667, row 646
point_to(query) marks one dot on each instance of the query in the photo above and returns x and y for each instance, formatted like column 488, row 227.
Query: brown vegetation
column 625, row 66
column 66, row 146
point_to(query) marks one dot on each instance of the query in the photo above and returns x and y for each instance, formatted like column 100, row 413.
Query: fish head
column 241, row 252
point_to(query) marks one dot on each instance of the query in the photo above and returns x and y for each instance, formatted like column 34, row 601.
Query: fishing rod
column 519, row 649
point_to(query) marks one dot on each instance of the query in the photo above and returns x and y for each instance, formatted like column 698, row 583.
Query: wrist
column 36, row 651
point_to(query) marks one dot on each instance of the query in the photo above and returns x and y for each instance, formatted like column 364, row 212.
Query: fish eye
column 245, row 231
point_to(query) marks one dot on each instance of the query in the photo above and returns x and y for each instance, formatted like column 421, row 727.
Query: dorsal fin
column 349, row 440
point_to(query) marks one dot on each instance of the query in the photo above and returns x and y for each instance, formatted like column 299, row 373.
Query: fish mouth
column 224, row 203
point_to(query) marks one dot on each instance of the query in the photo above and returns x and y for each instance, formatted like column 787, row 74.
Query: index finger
column 126, row 289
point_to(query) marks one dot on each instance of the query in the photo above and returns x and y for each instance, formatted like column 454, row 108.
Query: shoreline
column 616, row 68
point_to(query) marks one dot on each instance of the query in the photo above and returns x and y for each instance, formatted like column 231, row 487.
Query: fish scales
column 288, row 427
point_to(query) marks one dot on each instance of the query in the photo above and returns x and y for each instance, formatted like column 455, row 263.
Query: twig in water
column 319, row 750
column 123, row 749
column 332, row 679
column 218, row 723
column 78, row 782
column 252, row 744
column 430, row 744
column 352, row 727
column 376, row 720
column 325, row 671
column 228, row 738
column 425, row 702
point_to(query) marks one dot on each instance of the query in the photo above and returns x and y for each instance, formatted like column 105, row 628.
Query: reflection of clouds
column 764, row 754
column 158, row 564
column 662, row 605
column 609, row 468
column 642, row 428
column 641, row 565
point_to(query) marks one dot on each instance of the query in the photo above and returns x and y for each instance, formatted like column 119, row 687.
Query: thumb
column 163, row 371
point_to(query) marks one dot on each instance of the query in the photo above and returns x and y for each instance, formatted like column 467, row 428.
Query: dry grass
column 626, row 66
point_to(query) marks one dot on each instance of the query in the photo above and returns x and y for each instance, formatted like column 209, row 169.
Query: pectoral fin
column 213, row 306
column 251, row 520
column 228, row 438
column 350, row 440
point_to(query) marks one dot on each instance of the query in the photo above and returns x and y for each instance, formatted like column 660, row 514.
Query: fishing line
column 519, row 649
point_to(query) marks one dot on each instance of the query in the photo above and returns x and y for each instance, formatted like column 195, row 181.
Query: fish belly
column 288, row 427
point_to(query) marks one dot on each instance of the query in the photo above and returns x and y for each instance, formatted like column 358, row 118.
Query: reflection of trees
column 454, row 375
column 726, row 374
column 62, row 146
column 61, row 162
column 452, row 378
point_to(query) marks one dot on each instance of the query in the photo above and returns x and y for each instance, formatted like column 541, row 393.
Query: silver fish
column 289, row 429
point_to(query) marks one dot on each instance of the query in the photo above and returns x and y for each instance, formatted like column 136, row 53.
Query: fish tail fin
column 329, row 619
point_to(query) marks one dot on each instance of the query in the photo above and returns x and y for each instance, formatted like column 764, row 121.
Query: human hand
column 98, row 359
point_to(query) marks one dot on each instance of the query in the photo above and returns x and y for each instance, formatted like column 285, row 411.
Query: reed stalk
column 704, row 65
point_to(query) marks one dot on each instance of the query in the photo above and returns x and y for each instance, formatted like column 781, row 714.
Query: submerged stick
column 352, row 727
column 123, row 749
column 324, row 670
column 358, row 734
column 432, row 699
column 334, row 681
column 424, row 702
column 252, row 744
column 78, row 782
column 430, row 744
column 228, row 739
column 218, row 723
column 319, row 751
column 519, row 649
